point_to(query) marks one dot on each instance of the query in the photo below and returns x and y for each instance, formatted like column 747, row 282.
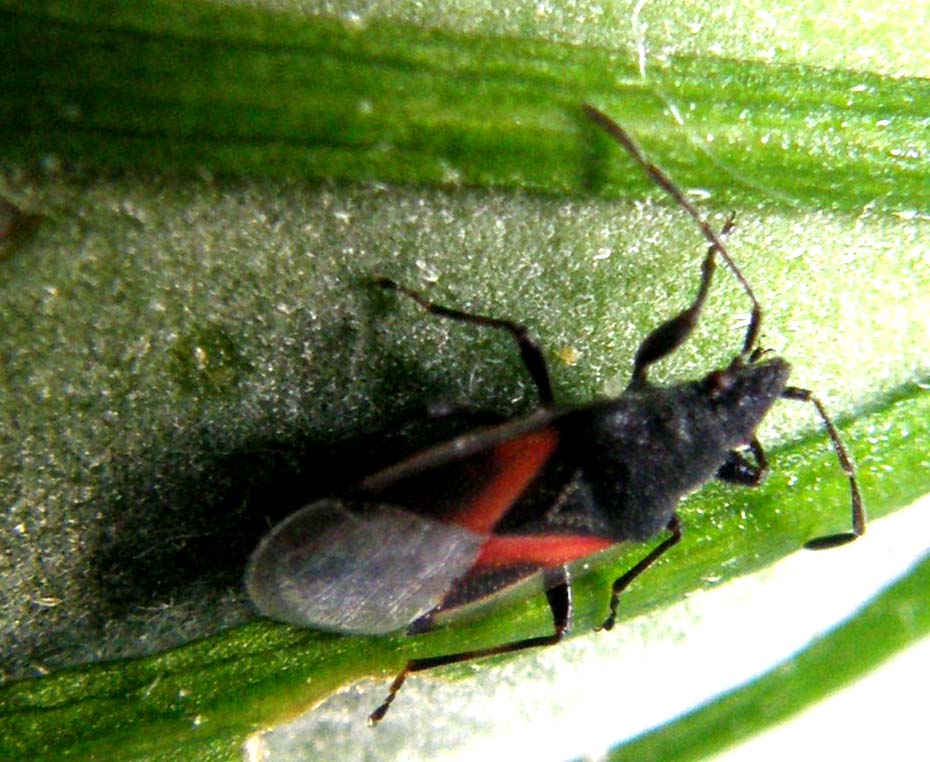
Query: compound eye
column 718, row 382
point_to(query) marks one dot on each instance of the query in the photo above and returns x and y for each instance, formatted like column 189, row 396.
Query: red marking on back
column 517, row 462
column 541, row 550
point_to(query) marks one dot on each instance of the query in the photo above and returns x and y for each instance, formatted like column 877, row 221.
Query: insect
column 458, row 521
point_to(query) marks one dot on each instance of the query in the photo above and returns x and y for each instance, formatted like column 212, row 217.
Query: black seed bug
column 459, row 521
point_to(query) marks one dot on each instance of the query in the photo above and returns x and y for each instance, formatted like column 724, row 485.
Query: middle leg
column 530, row 351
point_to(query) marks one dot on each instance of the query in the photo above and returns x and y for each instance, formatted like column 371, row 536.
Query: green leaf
column 194, row 86
column 211, row 187
column 894, row 619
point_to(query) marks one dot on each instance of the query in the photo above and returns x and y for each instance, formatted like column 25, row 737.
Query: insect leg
column 659, row 178
column 530, row 351
column 622, row 583
column 858, row 512
column 673, row 333
column 559, row 596
column 737, row 469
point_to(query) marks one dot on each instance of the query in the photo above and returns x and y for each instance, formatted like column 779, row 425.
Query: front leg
column 737, row 469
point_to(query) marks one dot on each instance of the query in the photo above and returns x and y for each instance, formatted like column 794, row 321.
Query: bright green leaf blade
column 239, row 90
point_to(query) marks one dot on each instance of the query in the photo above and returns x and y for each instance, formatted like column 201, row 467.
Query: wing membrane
column 362, row 568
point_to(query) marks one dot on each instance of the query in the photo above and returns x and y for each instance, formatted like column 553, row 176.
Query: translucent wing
column 357, row 567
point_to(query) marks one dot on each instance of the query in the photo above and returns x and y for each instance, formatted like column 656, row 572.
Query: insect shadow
column 180, row 517
column 17, row 228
